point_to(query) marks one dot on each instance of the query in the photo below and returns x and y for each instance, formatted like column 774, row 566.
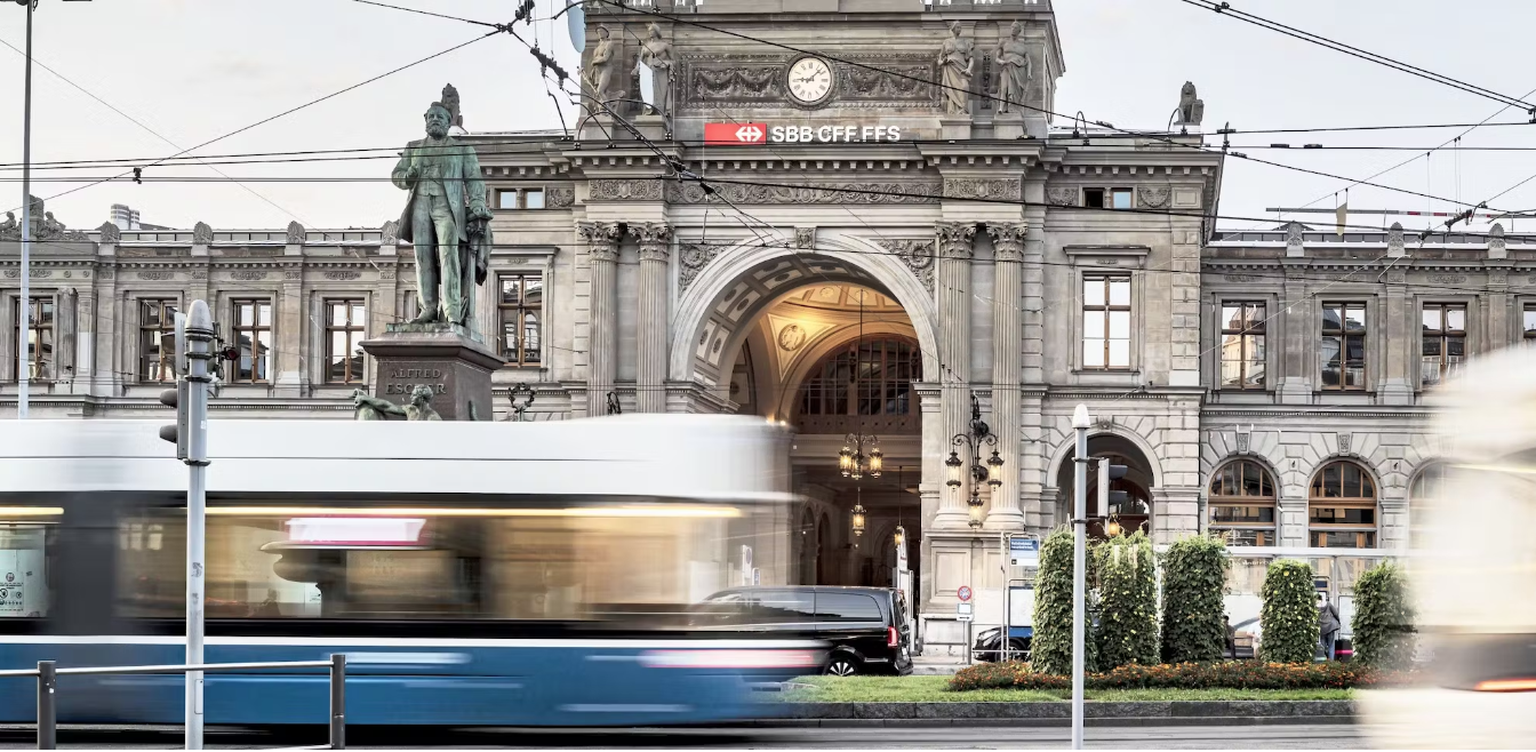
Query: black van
column 865, row 628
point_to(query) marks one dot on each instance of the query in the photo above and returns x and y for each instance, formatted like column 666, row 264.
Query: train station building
column 875, row 261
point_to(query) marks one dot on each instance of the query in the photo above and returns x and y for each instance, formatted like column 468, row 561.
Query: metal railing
column 47, row 675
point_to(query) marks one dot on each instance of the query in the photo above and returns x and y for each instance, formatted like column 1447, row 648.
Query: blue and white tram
column 530, row 574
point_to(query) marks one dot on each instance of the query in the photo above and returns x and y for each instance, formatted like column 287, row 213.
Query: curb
column 1173, row 713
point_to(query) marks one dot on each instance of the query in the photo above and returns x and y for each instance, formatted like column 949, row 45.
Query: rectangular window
column 1445, row 341
column 157, row 344
column 506, row 199
column 1106, row 322
column 1529, row 325
column 521, row 310
column 253, row 338
column 345, row 328
column 1342, row 347
column 533, row 198
column 525, row 198
column 1242, row 345
column 1107, row 198
column 40, row 337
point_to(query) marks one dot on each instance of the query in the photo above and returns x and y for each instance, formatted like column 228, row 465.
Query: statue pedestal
column 1008, row 125
column 653, row 127
column 955, row 127
column 450, row 359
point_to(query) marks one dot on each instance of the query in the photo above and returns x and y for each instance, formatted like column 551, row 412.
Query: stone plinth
column 450, row 359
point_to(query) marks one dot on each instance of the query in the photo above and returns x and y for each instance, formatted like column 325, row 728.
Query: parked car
column 989, row 643
column 865, row 628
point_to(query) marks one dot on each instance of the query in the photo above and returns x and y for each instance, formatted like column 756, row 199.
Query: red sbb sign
column 758, row 134
column 735, row 134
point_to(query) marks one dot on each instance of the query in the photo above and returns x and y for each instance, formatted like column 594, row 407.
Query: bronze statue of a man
column 446, row 219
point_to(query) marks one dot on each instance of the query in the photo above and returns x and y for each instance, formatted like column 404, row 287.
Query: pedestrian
column 1327, row 625
column 1231, row 633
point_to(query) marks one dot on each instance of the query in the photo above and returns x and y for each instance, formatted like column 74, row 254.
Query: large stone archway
column 734, row 288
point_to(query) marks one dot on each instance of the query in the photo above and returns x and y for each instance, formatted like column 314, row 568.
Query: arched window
column 1342, row 507
column 1242, row 504
column 1426, row 489
column 871, row 377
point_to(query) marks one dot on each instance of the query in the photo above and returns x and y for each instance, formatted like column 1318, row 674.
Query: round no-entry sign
column 965, row 593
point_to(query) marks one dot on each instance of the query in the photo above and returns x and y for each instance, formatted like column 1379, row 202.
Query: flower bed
column 1225, row 675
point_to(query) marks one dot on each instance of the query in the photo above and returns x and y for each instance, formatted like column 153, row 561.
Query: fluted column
column 1007, row 365
column 655, row 248
column 954, row 278
column 602, row 241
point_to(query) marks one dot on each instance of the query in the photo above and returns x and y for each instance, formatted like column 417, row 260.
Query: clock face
column 810, row 80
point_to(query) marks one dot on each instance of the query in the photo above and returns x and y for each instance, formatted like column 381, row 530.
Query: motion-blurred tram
column 534, row 574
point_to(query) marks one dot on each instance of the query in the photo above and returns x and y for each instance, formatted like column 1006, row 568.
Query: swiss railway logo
column 735, row 134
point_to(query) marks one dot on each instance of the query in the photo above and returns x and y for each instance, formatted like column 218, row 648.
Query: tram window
column 25, row 582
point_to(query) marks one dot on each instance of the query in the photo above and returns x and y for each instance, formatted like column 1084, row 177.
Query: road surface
column 1321, row 737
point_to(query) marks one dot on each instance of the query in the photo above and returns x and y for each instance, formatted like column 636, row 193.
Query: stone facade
column 619, row 285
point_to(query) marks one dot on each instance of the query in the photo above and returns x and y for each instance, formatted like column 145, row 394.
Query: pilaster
column 954, row 278
column 1033, row 269
column 1007, row 334
column 290, row 379
column 655, row 252
column 602, row 242
column 1400, row 369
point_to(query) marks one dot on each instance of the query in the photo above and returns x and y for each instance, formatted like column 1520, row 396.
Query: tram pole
column 1081, row 422
column 200, row 337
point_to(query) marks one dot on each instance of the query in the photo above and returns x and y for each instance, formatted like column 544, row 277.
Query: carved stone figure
column 1191, row 107
column 1015, row 71
column 51, row 227
column 389, row 234
column 446, row 218
column 10, row 227
column 451, row 101
column 369, row 407
column 656, row 53
column 295, row 233
column 602, row 75
column 958, row 64
column 202, row 234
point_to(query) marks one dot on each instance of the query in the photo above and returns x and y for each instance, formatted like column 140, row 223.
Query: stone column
column 954, row 283
column 1007, row 367
column 602, row 241
column 284, row 361
column 1399, row 373
column 655, row 249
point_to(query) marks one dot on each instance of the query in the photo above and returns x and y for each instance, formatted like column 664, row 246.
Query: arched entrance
column 1140, row 479
column 832, row 343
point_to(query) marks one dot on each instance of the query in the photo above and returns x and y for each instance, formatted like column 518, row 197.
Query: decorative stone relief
column 1395, row 244
column 910, row 192
column 560, row 197
column 655, row 240
column 625, row 190
column 1153, row 196
column 917, row 255
column 1344, row 443
column 791, row 337
column 1008, row 239
column 1061, row 195
column 1447, row 279
column 694, row 258
column 1496, row 243
column 389, row 234
column 1008, row 189
column 293, row 275
column 202, row 234
column 387, row 273
column 110, row 233
column 1241, row 278
column 200, row 274
column 864, row 81
column 107, row 273
column 342, row 274
column 1242, row 441
column 955, row 239
column 157, row 274
column 601, row 239
column 248, row 275
column 295, row 233
column 805, row 237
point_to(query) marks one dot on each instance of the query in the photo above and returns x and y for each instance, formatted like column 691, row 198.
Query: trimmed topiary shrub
column 1228, row 675
column 1194, row 582
column 1383, row 620
column 1050, row 650
column 1127, row 577
column 1289, row 615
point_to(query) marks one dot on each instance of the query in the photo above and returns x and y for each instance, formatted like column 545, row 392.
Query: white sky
column 195, row 69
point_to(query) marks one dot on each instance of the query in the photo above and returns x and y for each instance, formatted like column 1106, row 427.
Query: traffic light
column 178, row 434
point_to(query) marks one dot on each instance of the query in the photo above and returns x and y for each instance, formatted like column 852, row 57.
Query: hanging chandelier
column 860, row 455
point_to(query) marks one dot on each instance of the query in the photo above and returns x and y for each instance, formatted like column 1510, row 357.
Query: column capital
column 655, row 240
column 1008, row 239
column 955, row 239
column 602, row 239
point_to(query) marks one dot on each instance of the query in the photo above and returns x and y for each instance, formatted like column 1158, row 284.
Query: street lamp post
column 991, row 473
column 24, row 304
column 1081, row 422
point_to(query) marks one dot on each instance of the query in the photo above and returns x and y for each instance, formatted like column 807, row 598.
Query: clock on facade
column 810, row 80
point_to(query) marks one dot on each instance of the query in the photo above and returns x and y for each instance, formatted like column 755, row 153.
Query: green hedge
column 1383, row 620
column 1289, row 615
column 1227, row 675
column 1051, row 646
column 1194, row 582
column 1127, row 578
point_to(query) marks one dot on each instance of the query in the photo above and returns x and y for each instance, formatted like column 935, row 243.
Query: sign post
column 964, row 613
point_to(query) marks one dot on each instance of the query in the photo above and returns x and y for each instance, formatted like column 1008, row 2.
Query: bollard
column 47, row 728
column 338, row 701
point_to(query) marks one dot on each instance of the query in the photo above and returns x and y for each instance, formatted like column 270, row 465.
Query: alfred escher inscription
column 403, row 381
